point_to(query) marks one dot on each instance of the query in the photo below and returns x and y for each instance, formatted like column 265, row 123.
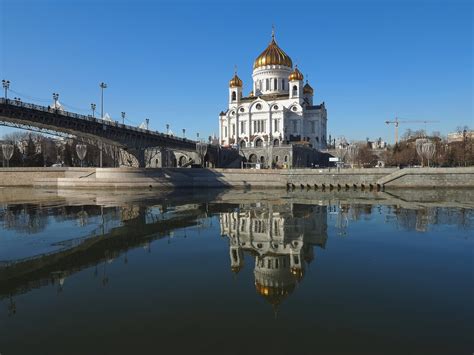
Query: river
column 236, row 272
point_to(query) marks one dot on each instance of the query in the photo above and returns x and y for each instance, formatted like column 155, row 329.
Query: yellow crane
column 397, row 122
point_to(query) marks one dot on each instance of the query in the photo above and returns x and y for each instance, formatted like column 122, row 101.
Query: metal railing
column 87, row 118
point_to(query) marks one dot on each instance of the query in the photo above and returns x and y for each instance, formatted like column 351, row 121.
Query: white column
column 221, row 128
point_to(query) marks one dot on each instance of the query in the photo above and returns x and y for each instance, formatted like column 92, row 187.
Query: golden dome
column 307, row 89
column 273, row 55
column 235, row 82
column 295, row 75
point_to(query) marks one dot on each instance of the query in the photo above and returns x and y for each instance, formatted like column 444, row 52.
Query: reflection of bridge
column 134, row 140
column 140, row 230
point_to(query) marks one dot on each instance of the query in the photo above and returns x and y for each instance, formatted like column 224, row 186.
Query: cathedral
column 279, row 111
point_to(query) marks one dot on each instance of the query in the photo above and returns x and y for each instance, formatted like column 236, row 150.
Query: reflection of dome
column 298, row 273
column 274, row 295
column 295, row 75
column 274, row 279
column 235, row 82
column 273, row 55
column 236, row 269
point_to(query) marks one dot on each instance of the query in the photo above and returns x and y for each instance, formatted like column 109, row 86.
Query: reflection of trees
column 24, row 218
column 32, row 219
column 421, row 219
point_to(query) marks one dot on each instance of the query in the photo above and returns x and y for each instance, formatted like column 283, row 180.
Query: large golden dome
column 273, row 55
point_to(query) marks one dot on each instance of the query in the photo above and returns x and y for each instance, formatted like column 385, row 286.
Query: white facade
column 278, row 110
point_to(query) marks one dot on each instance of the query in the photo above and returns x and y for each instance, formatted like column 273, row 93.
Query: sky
column 170, row 61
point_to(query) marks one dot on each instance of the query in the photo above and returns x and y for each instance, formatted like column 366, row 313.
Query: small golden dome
column 307, row 89
column 295, row 75
column 236, row 269
column 273, row 55
column 251, row 93
column 235, row 82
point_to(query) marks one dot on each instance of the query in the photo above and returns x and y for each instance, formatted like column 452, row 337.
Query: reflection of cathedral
column 280, row 237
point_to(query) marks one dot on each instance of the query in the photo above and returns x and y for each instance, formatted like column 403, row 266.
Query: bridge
column 132, row 139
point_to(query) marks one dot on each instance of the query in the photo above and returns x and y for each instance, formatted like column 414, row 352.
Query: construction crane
column 397, row 122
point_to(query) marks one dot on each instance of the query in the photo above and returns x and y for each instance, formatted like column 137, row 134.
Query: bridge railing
column 88, row 118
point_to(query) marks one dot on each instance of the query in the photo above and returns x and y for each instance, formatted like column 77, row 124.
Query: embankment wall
column 127, row 178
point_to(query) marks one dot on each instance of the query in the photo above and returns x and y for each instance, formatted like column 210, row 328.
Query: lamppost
column 102, row 87
column 184, row 132
column 55, row 98
column 167, row 128
column 6, row 86
column 93, row 107
column 197, row 136
column 123, row 117
column 147, row 122
column 7, row 151
column 81, row 150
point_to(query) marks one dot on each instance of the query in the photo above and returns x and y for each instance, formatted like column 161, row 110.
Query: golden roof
column 235, row 82
column 273, row 55
column 307, row 89
column 295, row 75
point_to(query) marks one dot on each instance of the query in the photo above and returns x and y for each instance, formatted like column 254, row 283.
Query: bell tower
column 235, row 89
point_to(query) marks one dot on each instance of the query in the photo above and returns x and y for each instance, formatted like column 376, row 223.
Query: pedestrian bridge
column 132, row 139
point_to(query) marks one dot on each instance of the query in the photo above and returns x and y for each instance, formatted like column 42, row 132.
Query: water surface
column 233, row 272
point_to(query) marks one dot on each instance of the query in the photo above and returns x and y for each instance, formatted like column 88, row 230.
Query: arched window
column 258, row 142
column 267, row 84
column 234, row 96
column 283, row 84
column 275, row 84
column 276, row 143
column 242, row 144
column 295, row 90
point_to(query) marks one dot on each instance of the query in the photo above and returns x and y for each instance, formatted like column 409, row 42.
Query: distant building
column 460, row 136
column 377, row 144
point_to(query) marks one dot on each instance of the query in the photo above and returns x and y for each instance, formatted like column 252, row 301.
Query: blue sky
column 171, row 61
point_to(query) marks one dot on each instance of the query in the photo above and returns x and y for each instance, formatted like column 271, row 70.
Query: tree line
column 459, row 152
column 37, row 150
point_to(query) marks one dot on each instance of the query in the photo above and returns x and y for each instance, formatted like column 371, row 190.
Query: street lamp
column 167, row 128
column 147, row 120
column 184, row 132
column 123, row 117
column 55, row 98
column 6, row 86
column 93, row 107
column 81, row 150
column 102, row 87
column 7, row 150
column 197, row 136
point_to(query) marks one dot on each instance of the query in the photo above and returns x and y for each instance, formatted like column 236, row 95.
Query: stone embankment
column 318, row 179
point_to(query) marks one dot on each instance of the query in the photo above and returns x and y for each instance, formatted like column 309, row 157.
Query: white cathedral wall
column 284, row 119
column 271, row 72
